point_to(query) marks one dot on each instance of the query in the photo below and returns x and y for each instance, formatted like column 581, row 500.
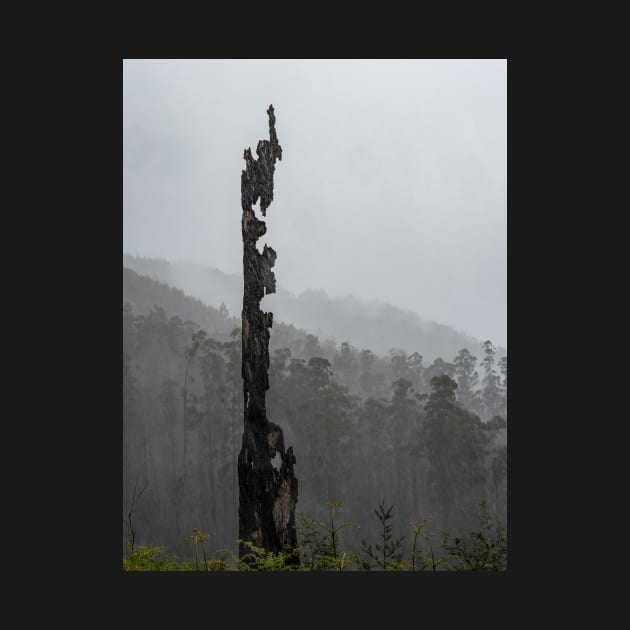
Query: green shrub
column 484, row 550
column 260, row 560
column 143, row 558
column 386, row 554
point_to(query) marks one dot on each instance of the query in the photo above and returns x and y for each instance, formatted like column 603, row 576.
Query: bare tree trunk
column 267, row 485
column 131, row 526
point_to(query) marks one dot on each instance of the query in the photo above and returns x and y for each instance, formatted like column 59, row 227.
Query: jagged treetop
column 257, row 178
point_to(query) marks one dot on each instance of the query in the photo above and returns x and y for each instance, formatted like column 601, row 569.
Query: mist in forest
column 388, row 351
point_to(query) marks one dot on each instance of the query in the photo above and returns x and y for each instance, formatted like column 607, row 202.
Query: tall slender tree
column 467, row 379
column 491, row 391
column 503, row 368
column 455, row 443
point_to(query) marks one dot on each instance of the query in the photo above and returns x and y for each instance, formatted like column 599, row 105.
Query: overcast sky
column 392, row 184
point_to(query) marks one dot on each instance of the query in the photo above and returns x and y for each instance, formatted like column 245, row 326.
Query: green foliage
column 330, row 556
column 143, row 558
column 198, row 540
column 218, row 564
column 311, row 543
column 385, row 554
column 419, row 560
column 483, row 550
column 260, row 560
column 320, row 548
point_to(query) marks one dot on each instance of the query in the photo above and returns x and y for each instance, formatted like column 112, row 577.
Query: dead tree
column 267, row 485
column 131, row 526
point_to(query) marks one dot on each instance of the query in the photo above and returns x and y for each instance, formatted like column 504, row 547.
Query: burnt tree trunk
column 267, row 485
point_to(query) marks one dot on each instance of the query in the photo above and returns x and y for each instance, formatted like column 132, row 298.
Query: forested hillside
column 313, row 378
column 428, row 436
column 374, row 325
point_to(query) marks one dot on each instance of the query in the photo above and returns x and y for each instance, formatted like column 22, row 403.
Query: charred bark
column 267, row 485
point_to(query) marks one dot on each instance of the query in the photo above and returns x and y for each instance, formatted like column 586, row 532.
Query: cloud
column 392, row 184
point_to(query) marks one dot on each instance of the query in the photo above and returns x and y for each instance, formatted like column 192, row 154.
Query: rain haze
column 392, row 184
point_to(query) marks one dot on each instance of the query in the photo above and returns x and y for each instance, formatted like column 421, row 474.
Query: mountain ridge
column 376, row 325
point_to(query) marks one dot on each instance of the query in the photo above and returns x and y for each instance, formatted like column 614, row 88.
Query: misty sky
column 392, row 184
